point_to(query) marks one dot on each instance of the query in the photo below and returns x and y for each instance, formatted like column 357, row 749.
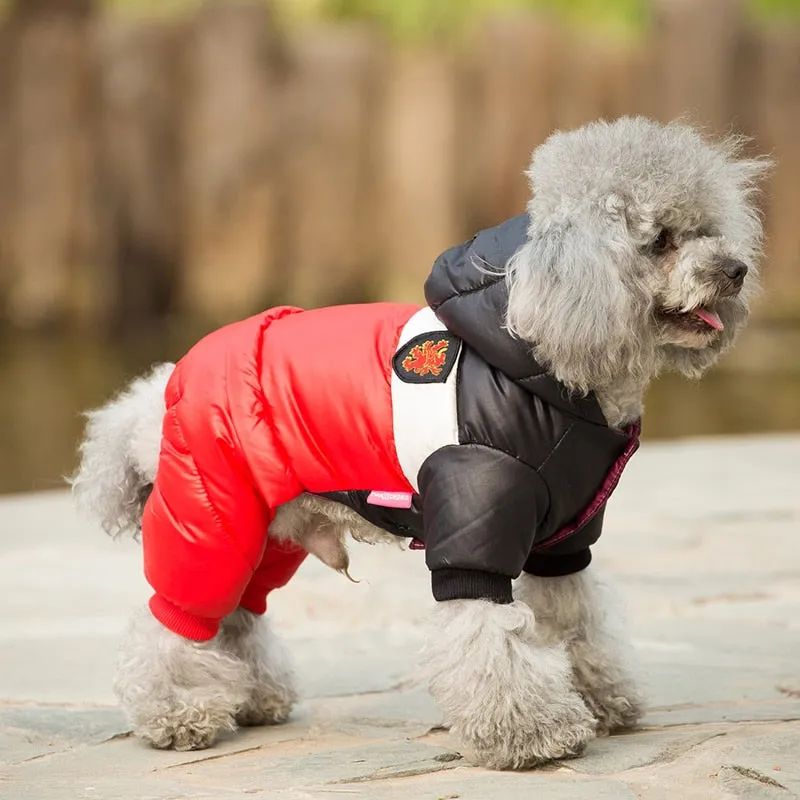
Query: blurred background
column 168, row 166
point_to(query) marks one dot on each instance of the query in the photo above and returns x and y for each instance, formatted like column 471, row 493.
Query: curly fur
column 583, row 613
column 632, row 226
column 321, row 527
column 177, row 693
column 182, row 694
column 272, row 692
column 119, row 454
column 506, row 693
column 584, row 290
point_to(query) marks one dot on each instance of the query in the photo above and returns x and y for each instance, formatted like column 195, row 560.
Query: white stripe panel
column 425, row 414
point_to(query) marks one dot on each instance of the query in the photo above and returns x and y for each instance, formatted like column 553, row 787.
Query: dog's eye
column 661, row 243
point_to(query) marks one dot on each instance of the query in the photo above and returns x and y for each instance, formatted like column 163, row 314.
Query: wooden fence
column 212, row 164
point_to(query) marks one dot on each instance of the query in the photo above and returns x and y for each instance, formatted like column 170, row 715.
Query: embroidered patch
column 427, row 358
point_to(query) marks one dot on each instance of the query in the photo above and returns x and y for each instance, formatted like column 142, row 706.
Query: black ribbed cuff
column 549, row 566
column 470, row 584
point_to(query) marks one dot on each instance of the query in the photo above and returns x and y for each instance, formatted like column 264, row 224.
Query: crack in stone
column 719, row 704
column 699, row 726
column 117, row 736
column 39, row 756
column 754, row 775
column 669, row 754
column 400, row 686
column 445, row 761
column 210, row 758
column 729, row 597
column 679, row 749
column 378, row 722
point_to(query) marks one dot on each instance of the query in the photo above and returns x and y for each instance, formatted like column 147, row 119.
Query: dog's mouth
column 702, row 319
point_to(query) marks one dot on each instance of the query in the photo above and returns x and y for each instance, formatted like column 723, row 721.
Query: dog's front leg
column 507, row 695
column 175, row 692
column 582, row 612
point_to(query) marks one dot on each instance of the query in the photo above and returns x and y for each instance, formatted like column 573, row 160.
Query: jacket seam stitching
column 268, row 414
column 518, row 461
column 217, row 516
column 459, row 384
column 471, row 443
column 545, row 487
column 555, row 447
column 465, row 292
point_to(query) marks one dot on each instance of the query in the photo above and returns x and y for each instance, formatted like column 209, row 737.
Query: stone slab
column 701, row 538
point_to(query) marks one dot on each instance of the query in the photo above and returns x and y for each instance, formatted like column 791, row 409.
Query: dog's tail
column 119, row 454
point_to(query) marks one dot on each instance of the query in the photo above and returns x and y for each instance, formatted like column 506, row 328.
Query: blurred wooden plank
column 695, row 46
column 330, row 238
column 53, row 228
column 508, row 109
column 232, row 70
column 136, row 61
column 215, row 169
column 417, row 196
column 777, row 121
column 625, row 67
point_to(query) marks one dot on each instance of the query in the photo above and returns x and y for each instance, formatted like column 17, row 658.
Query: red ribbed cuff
column 182, row 622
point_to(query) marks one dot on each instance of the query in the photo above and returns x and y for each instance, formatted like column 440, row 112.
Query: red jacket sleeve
column 204, row 526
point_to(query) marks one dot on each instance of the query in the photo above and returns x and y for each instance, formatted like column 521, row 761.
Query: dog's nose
column 735, row 270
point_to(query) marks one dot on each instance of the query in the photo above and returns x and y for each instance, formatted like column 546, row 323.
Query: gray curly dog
column 639, row 255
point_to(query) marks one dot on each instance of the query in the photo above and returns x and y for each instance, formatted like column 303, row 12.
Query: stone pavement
column 703, row 537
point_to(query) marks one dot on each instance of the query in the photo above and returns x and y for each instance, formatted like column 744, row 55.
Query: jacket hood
column 467, row 290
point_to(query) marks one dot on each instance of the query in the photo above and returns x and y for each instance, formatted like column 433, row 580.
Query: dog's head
column 642, row 252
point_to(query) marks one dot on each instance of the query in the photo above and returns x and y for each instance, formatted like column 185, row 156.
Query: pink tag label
column 390, row 499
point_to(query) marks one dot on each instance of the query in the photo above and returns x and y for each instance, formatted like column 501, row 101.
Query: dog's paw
column 267, row 706
column 562, row 729
column 616, row 705
column 181, row 733
column 185, row 739
column 602, row 676
column 614, row 714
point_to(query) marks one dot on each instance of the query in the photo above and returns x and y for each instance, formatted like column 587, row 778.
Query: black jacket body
column 526, row 487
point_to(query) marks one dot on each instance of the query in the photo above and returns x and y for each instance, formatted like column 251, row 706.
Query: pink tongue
column 710, row 318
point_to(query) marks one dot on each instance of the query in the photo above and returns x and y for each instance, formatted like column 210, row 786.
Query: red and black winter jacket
column 438, row 410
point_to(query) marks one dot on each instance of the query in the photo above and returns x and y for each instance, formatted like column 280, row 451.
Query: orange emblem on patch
column 427, row 358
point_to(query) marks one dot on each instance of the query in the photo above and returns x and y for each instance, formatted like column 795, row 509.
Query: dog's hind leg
column 582, row 612
column 271, row 692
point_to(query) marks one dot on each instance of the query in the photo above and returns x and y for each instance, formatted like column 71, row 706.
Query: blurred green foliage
column 776, row 8
column 421, row 19
column 414, row 19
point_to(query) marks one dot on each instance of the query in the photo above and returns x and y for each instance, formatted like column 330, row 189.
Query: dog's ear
column 574, row 296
